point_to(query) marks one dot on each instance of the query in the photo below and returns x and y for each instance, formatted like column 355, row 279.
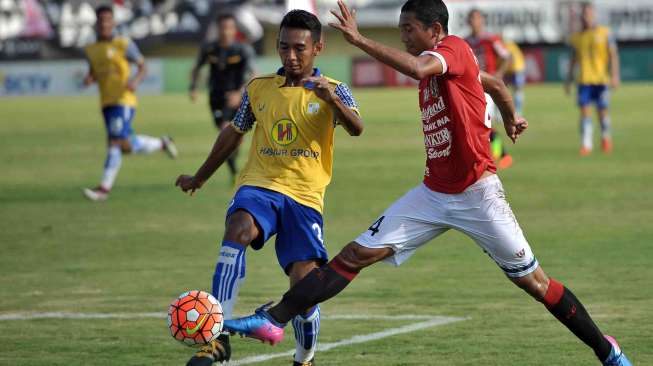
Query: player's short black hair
column 103, row 8
column 224, row 16
column 428, row 12
column 302, row 19
column 473, row 11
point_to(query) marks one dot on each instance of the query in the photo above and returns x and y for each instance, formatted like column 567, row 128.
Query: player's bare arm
column 615, row 72
column 500, row 94
column 347, row 118
column 226, row 143
column 417, row 67
column 570, row 72
column 141, row 71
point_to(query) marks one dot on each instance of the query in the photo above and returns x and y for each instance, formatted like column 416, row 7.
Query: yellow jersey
column 592, row 51
column 517, row 63
column 292, row 146
column 109, row 62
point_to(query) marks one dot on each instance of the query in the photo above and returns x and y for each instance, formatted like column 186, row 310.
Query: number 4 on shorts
column 374, row 228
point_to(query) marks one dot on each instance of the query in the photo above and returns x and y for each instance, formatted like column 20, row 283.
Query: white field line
column 71, row 315
column 433, row 321
column 425, row 321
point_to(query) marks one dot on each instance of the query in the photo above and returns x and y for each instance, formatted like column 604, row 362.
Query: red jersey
column 488, row 48
column 454, row 120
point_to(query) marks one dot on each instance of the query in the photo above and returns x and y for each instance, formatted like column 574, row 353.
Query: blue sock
column 307, row 328
column 229, row 275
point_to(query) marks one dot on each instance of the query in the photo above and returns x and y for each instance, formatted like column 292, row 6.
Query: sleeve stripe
column 244, row 119
column 439, row 57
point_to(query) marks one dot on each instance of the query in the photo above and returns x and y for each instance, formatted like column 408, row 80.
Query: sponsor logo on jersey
column 313, row 108
column 284, row 132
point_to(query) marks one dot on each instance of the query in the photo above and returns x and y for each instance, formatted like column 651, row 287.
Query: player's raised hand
column 320, row 85
column 188, row 183
column 516, row 127
column 346, row 23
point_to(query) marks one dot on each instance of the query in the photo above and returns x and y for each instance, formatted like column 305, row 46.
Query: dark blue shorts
column 517, row 79
column 118, row 121
column 597, row 94
column 298, row 227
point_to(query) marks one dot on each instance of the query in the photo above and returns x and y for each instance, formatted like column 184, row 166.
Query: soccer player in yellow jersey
column 293, row 114
column 594, row 49
column 109, row 65
column 516, row 74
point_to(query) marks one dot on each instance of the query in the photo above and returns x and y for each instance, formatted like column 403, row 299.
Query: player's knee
column 357, row 257
column 241, row 228
column 535, row 284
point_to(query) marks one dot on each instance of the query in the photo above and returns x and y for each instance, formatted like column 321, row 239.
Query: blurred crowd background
column 41, row 41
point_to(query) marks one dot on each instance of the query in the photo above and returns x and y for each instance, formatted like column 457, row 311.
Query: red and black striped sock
column 562, row 303
column 319, row 285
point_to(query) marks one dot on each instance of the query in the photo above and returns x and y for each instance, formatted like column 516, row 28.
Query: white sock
column 586, row 131
column 143, row 144
column 307, row 328
column 229, row 276
column 111, row 167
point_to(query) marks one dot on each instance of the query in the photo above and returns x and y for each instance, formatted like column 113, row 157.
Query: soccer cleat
column 218, row 350
column 616, row 358
column 606, row 145
column 169, row 147
column 259, row 326
column 505, row 162
column 307, row 363
column 96, row 194
column 584, row 151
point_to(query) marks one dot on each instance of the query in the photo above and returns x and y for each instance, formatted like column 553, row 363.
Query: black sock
column 319, row 285
column 570, row 312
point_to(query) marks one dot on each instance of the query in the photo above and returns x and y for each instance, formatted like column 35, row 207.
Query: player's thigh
column 252, row 217
column 299, row 235
column 483, row 213
column 410, row 222
column 601, row 97
column 118, row 121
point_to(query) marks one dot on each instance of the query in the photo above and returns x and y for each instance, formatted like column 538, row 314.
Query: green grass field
column 589, row 221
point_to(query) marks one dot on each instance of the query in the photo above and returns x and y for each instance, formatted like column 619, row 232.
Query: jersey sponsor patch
column 284, row 132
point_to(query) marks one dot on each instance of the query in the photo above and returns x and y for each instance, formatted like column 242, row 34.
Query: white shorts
column 481, row 212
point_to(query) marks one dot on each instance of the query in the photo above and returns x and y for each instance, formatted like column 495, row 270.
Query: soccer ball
column 195, row 317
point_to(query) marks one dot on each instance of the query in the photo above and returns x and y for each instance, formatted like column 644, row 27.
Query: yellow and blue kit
column 591, row 49
column 109, row 62
column 289, row 165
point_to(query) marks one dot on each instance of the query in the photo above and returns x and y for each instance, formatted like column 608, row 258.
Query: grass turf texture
column 587, row 219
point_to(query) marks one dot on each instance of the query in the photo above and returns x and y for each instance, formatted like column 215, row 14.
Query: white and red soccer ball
column 195, row 317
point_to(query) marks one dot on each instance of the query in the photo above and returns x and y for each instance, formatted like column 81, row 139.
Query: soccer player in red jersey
column 494, row 58
column 460, row 190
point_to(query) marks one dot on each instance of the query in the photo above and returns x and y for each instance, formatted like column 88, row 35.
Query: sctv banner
column 63, row 78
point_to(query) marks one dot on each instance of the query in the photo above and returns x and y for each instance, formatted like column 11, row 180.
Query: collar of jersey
column 280, row 78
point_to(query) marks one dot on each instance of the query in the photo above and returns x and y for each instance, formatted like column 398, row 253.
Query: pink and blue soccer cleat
column 616, row 358
column 259, row 326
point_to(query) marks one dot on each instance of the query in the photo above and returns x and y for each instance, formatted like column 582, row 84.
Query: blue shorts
column 118, row 121
column 517, row 79
column 597, row 94
column 298, row 227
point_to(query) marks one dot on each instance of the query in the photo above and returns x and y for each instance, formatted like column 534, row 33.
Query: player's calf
column 564, row 305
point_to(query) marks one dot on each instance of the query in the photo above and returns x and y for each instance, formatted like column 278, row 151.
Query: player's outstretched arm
column 224, row 145
column 500, row 94
column 416, row 67
column 570, row 72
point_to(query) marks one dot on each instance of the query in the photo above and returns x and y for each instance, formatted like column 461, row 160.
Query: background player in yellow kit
column 109, row 61
column 281, row 188
column 594, row 49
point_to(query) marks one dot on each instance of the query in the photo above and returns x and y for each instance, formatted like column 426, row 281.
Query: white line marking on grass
column 70, row 315
column 433, row 321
